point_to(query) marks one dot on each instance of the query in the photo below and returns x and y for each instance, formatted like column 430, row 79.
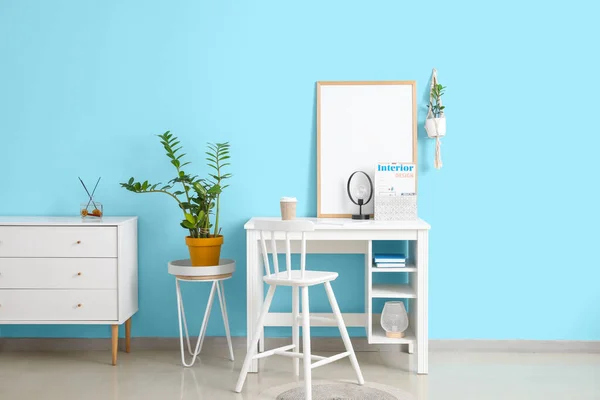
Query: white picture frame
column 360, row 124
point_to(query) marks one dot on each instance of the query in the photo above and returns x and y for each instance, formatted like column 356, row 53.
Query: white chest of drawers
column 62, row 270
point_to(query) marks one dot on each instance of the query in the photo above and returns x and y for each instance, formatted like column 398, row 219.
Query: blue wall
column 84, row 86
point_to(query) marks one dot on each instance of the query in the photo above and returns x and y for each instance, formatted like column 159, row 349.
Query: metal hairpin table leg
column 181, row 315
column 183, row 271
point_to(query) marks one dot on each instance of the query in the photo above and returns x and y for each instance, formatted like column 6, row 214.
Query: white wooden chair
column 295, row 278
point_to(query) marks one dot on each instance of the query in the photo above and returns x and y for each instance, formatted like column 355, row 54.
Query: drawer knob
column 79, row 274
column 79, row 305
column 79, row 242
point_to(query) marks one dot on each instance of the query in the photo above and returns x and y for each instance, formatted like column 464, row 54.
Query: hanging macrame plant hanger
column 435, row 126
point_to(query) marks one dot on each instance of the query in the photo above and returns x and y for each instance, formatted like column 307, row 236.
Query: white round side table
column 183, row 271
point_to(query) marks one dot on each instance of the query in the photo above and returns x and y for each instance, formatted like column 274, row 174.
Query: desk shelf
column 392, row 291
column 378, row 336
column 386, row 289
column 410, row 268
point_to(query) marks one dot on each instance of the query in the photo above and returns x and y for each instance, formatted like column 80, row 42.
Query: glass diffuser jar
column 394, row 319
column 91, row 210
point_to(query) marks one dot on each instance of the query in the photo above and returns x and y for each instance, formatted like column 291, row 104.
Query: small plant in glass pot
column 198, row 198
column 435, row 124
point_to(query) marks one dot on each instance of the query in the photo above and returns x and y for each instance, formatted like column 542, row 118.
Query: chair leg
column 252, row 349
column 344, row 332
column 221, row 292
column 295, row 329
column 306, row 345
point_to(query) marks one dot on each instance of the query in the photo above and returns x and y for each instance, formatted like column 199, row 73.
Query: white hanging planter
column 435, row 127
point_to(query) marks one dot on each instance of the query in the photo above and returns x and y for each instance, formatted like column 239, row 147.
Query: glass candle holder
column 91, row 210
column 394, row 319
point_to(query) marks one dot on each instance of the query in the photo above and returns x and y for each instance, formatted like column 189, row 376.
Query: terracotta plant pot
column 204, row 252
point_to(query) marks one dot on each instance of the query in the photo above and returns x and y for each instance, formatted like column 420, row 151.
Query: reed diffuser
column 91, row 209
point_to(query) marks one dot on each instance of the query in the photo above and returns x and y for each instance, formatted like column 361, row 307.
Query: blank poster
column 358, row 125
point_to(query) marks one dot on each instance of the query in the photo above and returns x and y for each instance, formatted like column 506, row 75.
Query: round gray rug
column 339, row 390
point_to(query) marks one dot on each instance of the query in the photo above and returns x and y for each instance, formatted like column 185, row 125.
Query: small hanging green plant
column 200, row 197
column 436, row 107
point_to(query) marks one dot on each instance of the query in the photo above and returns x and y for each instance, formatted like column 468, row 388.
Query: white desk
column 345, row 236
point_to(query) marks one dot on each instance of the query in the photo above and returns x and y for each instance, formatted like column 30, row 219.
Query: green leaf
column 187, row 224
column 190, row 218
column 131, row 180
column 216, row 189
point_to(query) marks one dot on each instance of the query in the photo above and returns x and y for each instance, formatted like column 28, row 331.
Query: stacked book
column 389, row 260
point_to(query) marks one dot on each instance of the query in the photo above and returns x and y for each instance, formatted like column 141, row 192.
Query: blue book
column 389, row 258
column 390, row 265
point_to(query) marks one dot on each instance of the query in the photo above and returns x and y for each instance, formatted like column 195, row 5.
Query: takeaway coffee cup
column 288, row 208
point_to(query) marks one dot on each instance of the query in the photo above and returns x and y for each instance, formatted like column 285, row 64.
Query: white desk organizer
column 396, row 208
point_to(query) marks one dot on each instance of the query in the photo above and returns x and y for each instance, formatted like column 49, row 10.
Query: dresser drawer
column 58, row 305
column 58, row 273
column 58, row 241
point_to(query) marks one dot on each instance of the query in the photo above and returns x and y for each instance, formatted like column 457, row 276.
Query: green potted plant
column 435, row 124
column 198, row 198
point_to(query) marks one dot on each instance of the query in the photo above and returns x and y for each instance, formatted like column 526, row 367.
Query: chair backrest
column 286, row 227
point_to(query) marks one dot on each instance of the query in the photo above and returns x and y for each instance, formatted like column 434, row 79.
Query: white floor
column 157, row 374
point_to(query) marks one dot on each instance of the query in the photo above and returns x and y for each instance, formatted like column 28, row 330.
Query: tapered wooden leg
column 115, row 342
column 128, row 336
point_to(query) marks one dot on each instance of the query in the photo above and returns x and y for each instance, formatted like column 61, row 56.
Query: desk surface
column 351, row 224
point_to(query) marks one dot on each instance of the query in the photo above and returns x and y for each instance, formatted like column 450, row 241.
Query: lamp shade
column 394, row 319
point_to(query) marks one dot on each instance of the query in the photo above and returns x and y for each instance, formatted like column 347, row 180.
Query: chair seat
column 310, row 278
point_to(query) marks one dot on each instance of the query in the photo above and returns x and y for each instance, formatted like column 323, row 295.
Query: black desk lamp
column 360, row 192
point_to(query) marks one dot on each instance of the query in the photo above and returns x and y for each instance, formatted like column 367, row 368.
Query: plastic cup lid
column 288, row 200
